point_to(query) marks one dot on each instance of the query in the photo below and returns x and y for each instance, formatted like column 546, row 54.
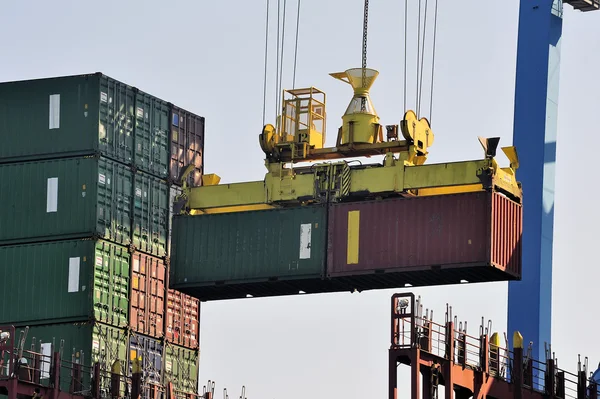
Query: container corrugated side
column 237, row 249
column 150, row 214
column 181, row 367
column 85, row 342
column 65, row 198
column 71, row 115
column 174, row 191
column 77, row 280
column 148, row 292
column 428, row 240
column 507, row 229
column 151, row 351
column 183, row 320
column 152, row 134
column 187, row 145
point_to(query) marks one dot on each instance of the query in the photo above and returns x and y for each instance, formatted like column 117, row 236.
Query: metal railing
column 450, row 341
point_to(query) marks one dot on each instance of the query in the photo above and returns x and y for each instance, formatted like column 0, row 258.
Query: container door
column 115, row 183
column 115, row 130
column 152, row 135
column 151, row 213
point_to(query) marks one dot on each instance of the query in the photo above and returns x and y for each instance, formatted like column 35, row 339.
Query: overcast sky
column 208, row 57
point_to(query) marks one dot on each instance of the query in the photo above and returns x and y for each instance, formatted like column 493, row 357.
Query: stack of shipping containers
column 88, row 169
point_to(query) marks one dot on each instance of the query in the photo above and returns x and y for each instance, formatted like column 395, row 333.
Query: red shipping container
column 425, row 241
column 183, row 319
column 187, row 145
column 147, row 304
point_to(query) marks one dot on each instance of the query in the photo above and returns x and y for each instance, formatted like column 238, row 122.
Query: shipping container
column 65, row 198
column 94, row 114
column 77, row 115
column 152, row 134
column 447, row 239
column 82, row 197
column 181, row 368
column 174, row 191
column 148, row 291
column 258, row 253
column 63, row 281
column 150, row 214
column 187, row 146
column 183, row 320
column 85, row 343
column 151, row 351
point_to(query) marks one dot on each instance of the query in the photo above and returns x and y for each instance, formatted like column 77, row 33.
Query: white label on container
column 103, row 97
column 74, row 274
column 52, row 195
column 46, row 359
column 98, row 260
column 101, row 178
column 54, row 117
column 140, row 112
column 305, row 238
column 138, row 192
column 96, row 345
column 136, row 265
column 168, row 366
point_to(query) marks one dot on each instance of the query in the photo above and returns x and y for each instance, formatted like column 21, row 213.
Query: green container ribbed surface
column 65, row 281
column 84, row 342
column 181, row 367
column 248, row 246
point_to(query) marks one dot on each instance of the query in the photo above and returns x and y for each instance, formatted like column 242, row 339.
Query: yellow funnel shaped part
column 354, row 78
column 360, row 121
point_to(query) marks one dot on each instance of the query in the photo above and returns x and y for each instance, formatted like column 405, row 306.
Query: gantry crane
column 299, row 135
column 535, row 126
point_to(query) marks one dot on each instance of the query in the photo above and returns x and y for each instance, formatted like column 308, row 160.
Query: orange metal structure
column 468, row 366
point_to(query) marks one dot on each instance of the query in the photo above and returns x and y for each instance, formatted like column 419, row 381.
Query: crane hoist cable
column 266, row 59
column 296, row 45
column 420, row 93
column 433, row 61
column 405, row 48
column 363, row 101
column 280, row 77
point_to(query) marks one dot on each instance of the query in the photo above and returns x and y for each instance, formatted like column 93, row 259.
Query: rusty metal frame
column 441, row 357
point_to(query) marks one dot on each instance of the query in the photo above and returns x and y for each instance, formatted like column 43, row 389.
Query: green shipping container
column 152, row 116
column 65, row 198
column 85, row 343
column 64, row 281
column 83, row 115
column 82, row 197
column 248, row 247
column 151, row 214
column 181, row 368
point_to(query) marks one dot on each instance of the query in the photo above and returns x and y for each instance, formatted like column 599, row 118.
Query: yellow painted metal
column 495, row 340
column 299, row 135
column 360, row 121
column 226, row 195
column 210, row 179
column 353, row 237
column 517, row 340
column 417, row 130
column 326, row 182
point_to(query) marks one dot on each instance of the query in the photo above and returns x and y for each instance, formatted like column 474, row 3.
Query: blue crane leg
column 535, row 124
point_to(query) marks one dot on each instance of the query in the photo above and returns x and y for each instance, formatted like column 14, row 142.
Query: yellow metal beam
column 226, row 195
column 326, row 182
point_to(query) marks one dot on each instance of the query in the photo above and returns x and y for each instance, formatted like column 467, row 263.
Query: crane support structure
column 535, row 127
